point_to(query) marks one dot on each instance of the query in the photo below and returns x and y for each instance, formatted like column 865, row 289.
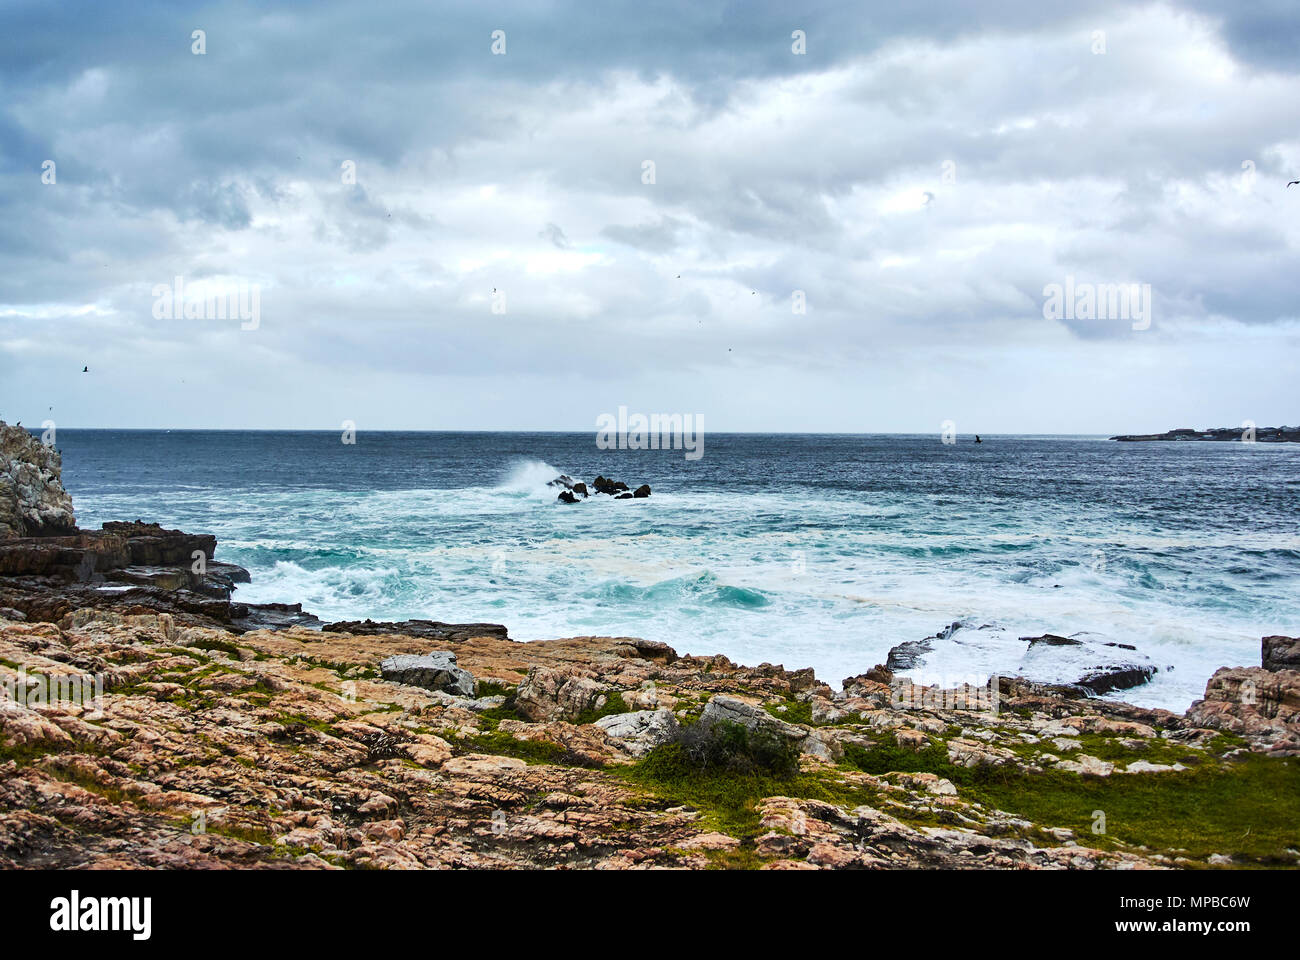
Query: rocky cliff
column 33, row 502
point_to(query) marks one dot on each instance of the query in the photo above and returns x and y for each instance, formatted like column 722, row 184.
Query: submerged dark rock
column 425, row 629
column 601, row 485
column 606, row 486
column 270, row 616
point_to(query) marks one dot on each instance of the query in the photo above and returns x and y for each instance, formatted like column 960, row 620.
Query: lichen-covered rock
column 548, row 694
column 641, row 731
column 33, row 502
column 729, row 709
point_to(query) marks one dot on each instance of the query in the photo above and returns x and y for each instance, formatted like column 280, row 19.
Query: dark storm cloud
column 919, row 175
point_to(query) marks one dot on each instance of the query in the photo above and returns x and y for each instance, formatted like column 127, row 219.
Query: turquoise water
column 819, row 551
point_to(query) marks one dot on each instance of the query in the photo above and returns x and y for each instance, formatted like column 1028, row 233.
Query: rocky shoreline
column 1283, row 434
column 149, row 720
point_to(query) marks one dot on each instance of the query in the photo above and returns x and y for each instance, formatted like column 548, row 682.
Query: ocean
column 804, row 550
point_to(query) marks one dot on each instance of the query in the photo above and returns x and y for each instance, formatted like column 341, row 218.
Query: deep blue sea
column 805, row 550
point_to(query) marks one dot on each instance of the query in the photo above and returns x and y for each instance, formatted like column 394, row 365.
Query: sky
column 445, row 227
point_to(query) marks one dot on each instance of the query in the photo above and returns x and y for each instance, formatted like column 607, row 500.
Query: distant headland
column 1281, row 434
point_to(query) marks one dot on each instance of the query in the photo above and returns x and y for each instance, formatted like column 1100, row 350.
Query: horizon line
column 359, row 430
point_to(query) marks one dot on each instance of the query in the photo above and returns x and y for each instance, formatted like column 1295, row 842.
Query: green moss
column 364, row 671
column 738, row 858
column 489, row 719
column 320, row 726
column 502, row 744
column 796, row 711
column 225, row 646
column 249, row 834
column 24, row 754
column 613, row 704
column 490, row 688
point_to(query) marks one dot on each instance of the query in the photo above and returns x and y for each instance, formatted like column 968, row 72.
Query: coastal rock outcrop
column 1261, row 704
column 1090, row 663
column 1282, row 434
column 294, row 753
column 547, row 694
column 573, row 490
column 33, row 502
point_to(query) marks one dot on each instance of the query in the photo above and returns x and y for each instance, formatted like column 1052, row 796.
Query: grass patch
column 225, row 646
column 888, row 757
column 796, row 711
column 1245, row 808
column 502, row 744
column 613, row 704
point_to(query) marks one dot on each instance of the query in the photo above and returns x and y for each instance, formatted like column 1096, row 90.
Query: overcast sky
column 921, row 173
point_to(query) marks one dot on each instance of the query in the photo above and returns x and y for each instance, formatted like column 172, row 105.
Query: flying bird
column 85, row 369
column 1293, row 183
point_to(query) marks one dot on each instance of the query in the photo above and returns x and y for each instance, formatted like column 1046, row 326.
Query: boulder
column 1085, row 764
column 604, row 485
column 566, row 496
column 166, row 578
column 722, row 708
column 433, row 671
column 640, row 732
column 1113, row 671
column 642, row 491
column 1281, row 653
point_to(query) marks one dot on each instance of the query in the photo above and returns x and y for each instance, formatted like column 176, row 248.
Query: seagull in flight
column 1293, row 183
